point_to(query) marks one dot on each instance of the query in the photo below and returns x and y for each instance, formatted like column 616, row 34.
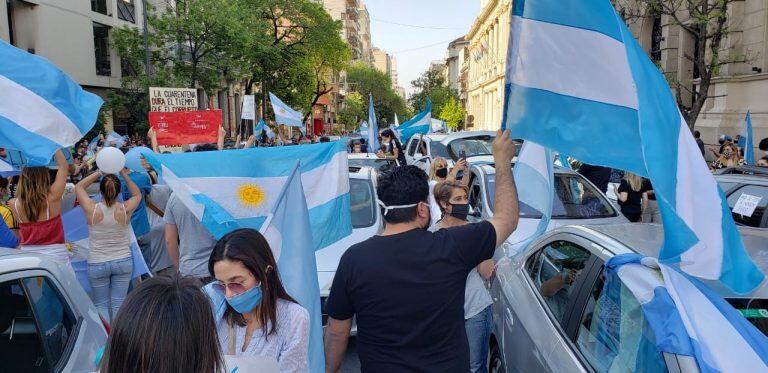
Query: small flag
column 284, row 114
column 421, row 123
column 373, row 128
column 746, row 138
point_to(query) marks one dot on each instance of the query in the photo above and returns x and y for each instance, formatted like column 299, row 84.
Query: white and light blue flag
column 263, row 126
column 363, row 129
column 397, row 122
column 373, row 128
column 284, row 114
column 682, row 313
column 421, row 123
column 534, row 165
column 611, row 97
column 288, row 231
column 439, row 126
column 115, row 137
column 41, row 108
column 234, row 189
column 747, row 142
column 7, row 169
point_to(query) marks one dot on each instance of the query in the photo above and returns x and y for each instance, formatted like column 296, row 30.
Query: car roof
column 446, row 139
column 647, row 239
column 362, row 156
column 489, row 168
column 756, row 171
column 742, row 179
column 362, row 173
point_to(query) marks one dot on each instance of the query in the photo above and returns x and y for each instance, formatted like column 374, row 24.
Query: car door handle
column 510, row 319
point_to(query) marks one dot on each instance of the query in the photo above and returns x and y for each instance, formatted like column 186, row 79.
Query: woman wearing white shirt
column 254, row 314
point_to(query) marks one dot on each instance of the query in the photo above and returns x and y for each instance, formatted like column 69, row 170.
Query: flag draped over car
column 41, row 108
column 610, row 105
column 234, row 189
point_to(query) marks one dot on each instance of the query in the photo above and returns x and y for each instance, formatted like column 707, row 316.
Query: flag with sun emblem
column 233, row 189
column 284, row 114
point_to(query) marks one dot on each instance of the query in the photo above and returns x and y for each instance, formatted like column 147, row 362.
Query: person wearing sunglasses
column 254, row 314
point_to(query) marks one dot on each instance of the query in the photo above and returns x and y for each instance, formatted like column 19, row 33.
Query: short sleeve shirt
column 407, row 294
column 634, row 198
column 195, row 242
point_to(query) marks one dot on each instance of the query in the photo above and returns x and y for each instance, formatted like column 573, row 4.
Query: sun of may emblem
column 250, row 195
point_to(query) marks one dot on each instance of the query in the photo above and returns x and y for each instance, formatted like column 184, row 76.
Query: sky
column 440, row 21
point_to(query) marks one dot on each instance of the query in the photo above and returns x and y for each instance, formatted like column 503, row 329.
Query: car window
column 36, row 326
column 381, row 165
column 362, row 203
column 475, row 197
column 439, row 150
column 574, row 199
column 472, row 146
column 412, row 147
column 613, row 335
column 755, row 310
column 756, row 218
column 727, row 186
column 554, row 269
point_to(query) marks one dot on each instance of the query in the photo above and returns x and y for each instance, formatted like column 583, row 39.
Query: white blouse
column 289, row 344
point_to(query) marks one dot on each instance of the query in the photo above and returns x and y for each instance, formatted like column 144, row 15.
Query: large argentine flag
column 288, row 232
column 684, row 316
column 284, row 114
column 7, row 170
column 534, row 166
column 41, row 108
column 421, row 123
column 610, row 96
column 234, row 189
column 373, row 128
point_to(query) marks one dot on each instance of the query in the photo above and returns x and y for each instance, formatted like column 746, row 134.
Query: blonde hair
column 433, row 168
column 635, row 182
column 443, row 191
column 34, row 186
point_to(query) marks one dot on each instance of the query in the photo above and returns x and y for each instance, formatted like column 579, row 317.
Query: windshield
column 472, row 146
column 574, row 199
column 381, row 165
column 438, row 150
column 361, row 203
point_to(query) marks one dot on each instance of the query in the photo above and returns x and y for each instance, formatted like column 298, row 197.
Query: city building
column 739, row 86
column 381, row 61
column 487, row 55
column 366, row 48
column 454, row 61
column 348, row 12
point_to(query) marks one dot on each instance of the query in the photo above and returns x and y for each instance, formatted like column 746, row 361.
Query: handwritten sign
column 746, row 205
column 172, row 99
column 186, row 127
column 249, row 108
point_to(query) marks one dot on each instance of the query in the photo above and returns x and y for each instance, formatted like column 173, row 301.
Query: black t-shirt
column 634, row 203
column 648, row 188
column 407, row 294
column 598, row 175
column 400, row 155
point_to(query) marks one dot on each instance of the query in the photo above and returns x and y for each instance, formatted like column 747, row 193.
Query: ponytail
column 109, row 188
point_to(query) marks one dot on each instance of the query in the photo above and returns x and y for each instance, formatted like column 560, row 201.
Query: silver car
column 545, row 325
column 47, row 321
column 752, row 181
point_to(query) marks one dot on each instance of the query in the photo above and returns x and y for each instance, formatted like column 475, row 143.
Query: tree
column 452, row 113
column 431, row 86
column 369, row 81
column 706, row 21
column 354, row 111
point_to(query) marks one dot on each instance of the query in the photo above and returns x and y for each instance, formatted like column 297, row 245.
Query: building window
column 656, row 37
column 126, row 10
column 101, row 49
column 125, row 68
column 99, row 6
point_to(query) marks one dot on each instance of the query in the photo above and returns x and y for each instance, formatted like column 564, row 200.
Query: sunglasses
column 235, row 288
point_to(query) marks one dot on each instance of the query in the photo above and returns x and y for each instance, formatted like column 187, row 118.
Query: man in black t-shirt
column 406, row 286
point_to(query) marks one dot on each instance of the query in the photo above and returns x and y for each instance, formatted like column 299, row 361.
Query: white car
column 366, row 222
column 421, row 150
column 47, row 321
column 360, row 160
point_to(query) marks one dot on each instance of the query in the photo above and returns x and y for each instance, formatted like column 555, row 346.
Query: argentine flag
column 284, row 114
column 7, row 169
column 684, row 315
column 234, row 189
column 41, row 108
column 746, row 141
column 610, row 105
column 421, row 123
column 534, row 166
column 363, row 129
column 115, row 137
column 263, row 126
column 288, row 231
column 373, row 128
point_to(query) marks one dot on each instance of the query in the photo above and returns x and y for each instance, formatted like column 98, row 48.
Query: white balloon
column 110, row 160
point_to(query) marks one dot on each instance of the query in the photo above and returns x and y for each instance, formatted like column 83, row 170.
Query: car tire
column 496, row 362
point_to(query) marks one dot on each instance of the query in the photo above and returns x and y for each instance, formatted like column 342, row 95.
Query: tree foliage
column 452, row 113
column 431, row 85
column 370, row 81
column 354, row 111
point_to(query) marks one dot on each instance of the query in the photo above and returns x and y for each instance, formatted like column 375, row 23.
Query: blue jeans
column 479, row 329
column 109, row 284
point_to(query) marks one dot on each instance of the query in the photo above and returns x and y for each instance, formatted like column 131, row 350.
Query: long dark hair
column 391, row 134
column 250, row 248
column 110, row 189
column 165, row 326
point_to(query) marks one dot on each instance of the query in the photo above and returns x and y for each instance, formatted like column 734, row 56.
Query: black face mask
column 441, row 172
column 460, row 210
column 721, row 142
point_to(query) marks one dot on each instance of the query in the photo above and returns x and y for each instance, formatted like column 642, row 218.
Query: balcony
column 126, row 10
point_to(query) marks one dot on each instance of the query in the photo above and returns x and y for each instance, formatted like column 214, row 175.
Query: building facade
column 486, row 65
column 366, row 48
column 381, row 60
column 739, row 86
column 453, row 62
column 348, row 12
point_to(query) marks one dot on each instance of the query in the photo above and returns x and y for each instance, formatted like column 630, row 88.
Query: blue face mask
column 247, row 301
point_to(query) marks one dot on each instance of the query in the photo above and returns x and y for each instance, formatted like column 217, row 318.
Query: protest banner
column 249, row 108
column 186, row 127
column 172, row 99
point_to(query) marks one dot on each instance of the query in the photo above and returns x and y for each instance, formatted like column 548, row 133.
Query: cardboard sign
column 172, row 99
column 186, row 127
column 746, row 205
column 249, row 108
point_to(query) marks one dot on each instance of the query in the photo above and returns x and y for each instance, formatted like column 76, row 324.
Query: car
column 360, row 160
column 421, row 150
column 746, row 181
column 47, row 321
column 366, row 222
column 539, row 329
column 576, row 201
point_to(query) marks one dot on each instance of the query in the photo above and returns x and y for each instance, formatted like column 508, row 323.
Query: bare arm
column 57, row 189
column 153, row 140
column 645, row 201
column 507, row 213
column 250, row 142
column 485, row 269
column 336, row 338
column 220, row 141
column 133, row 202
column 82, row 194
column 172, row 243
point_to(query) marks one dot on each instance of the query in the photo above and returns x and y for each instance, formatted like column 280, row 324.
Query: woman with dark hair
column 393, row 148
column 255, row 316
column 165, row 326
column 110, row 264
column 37, row 208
